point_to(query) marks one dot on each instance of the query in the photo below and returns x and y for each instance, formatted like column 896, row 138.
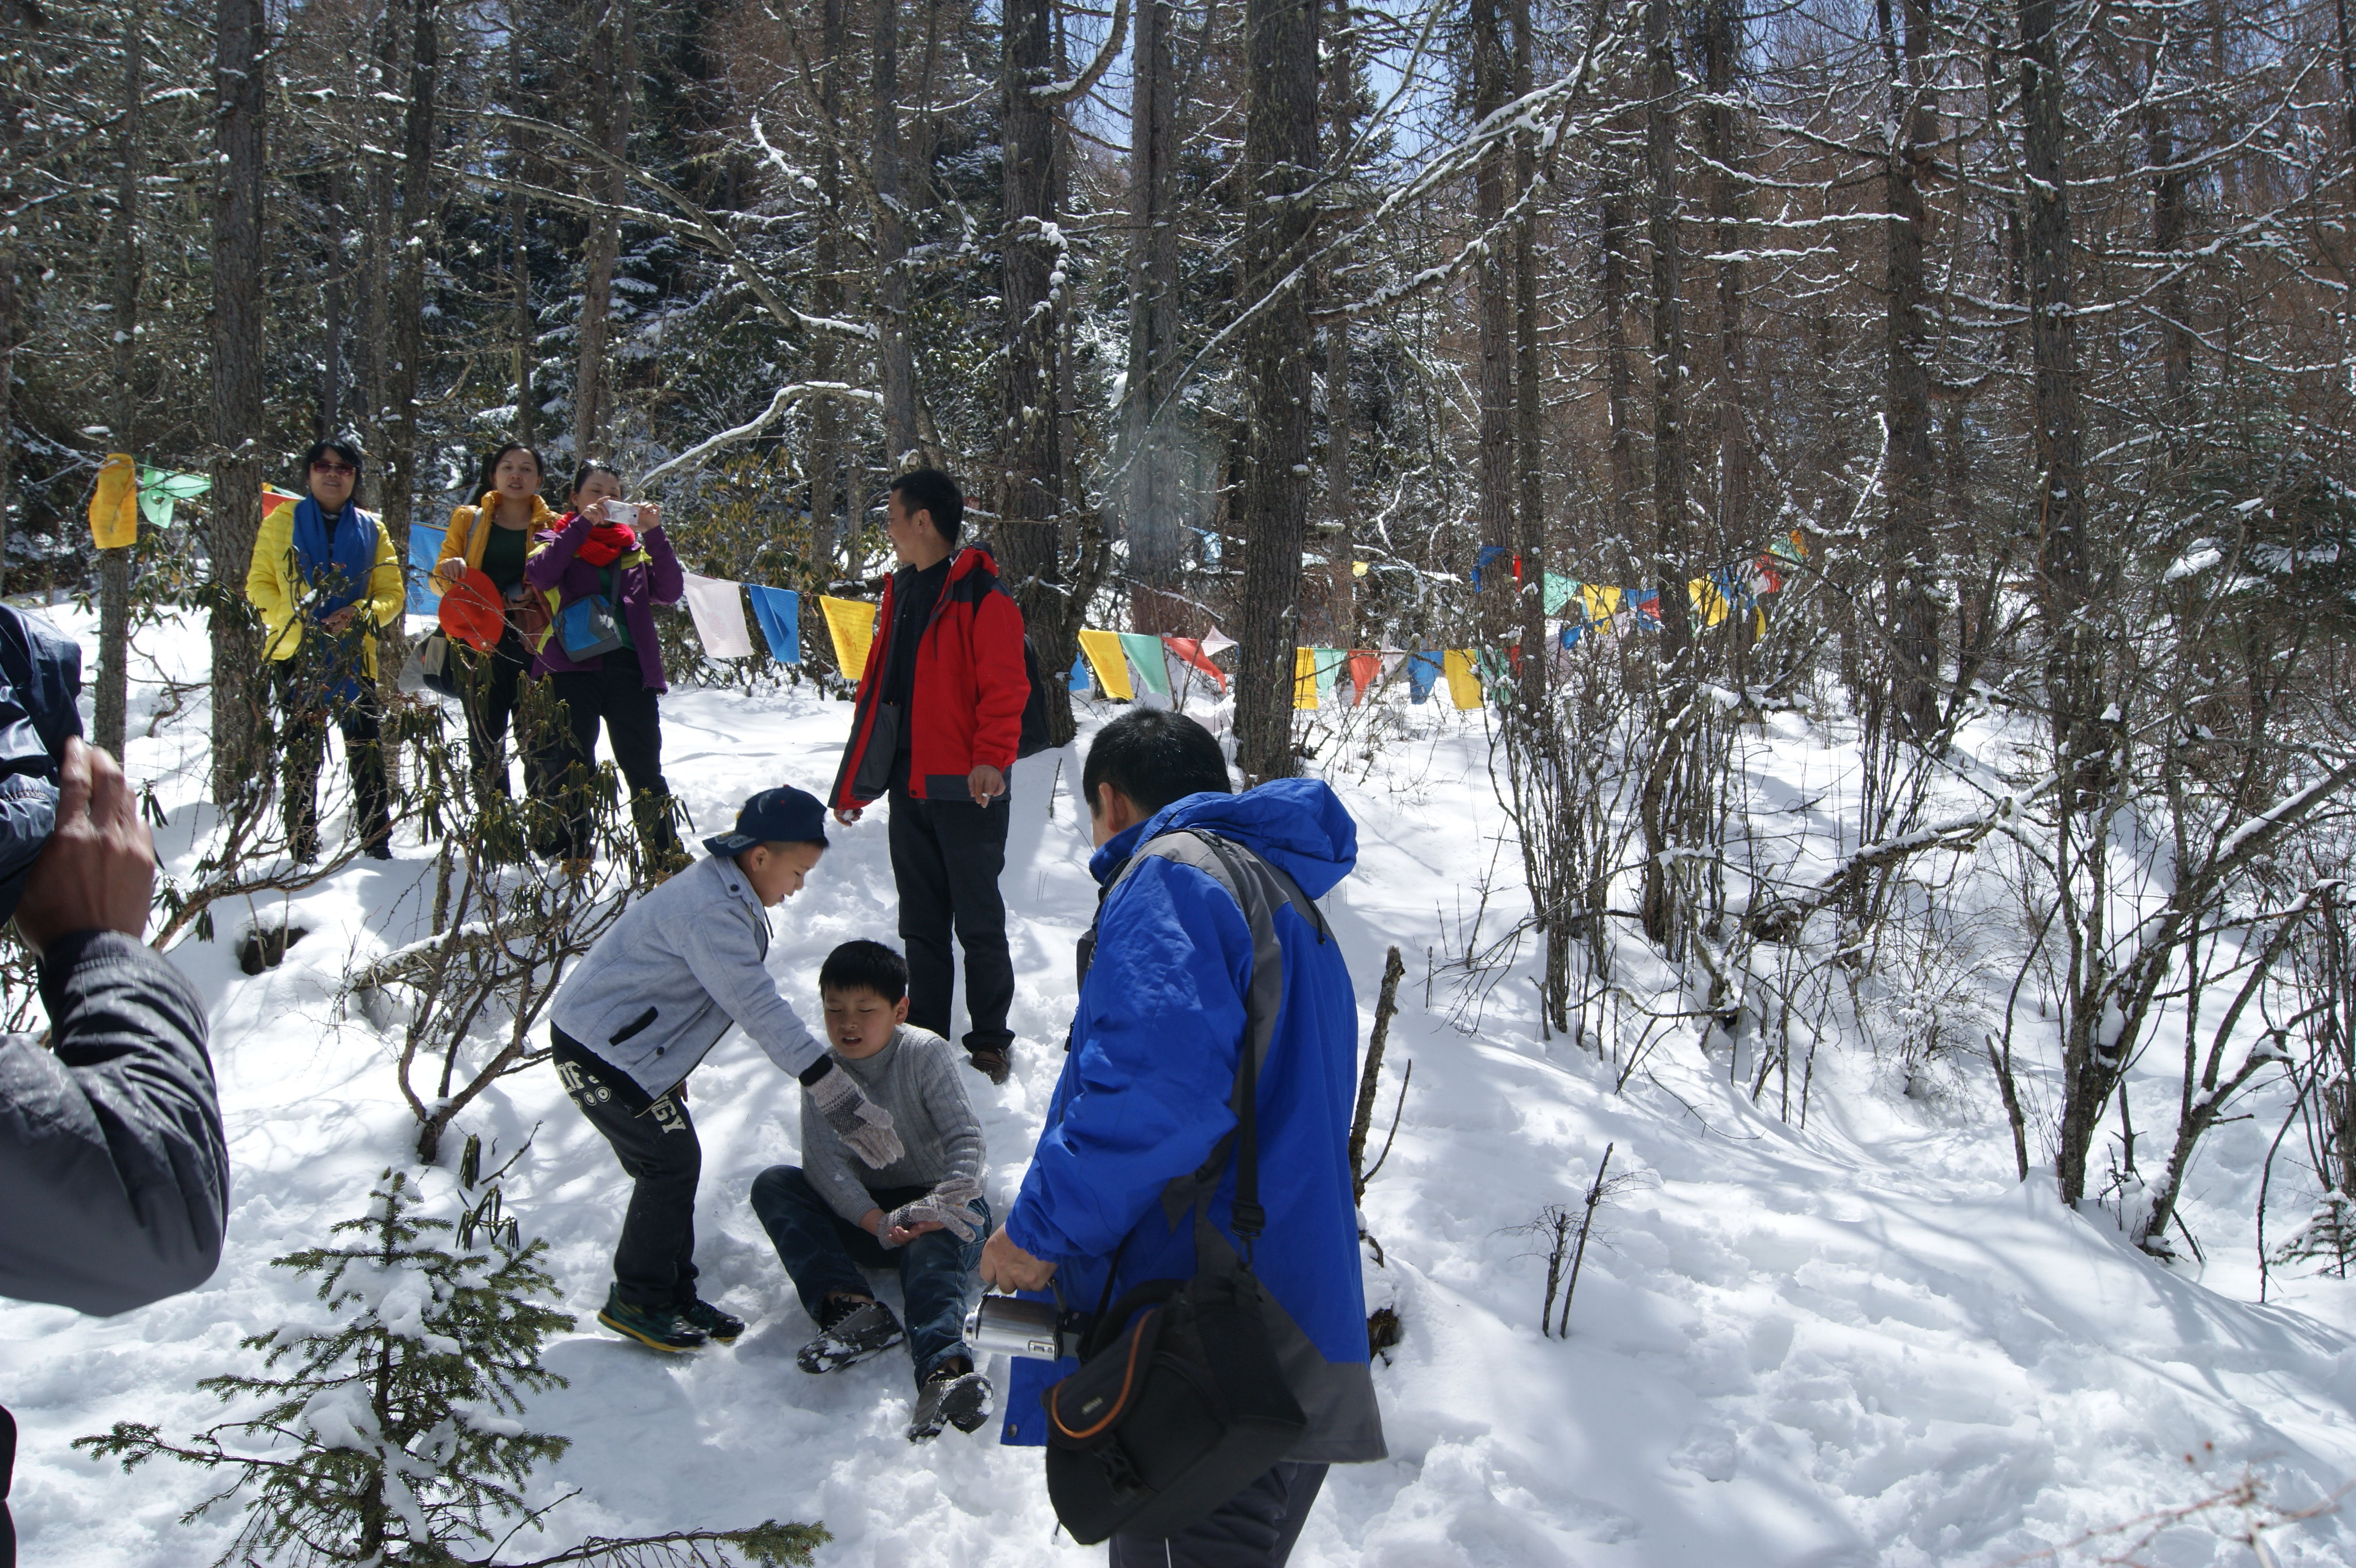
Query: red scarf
column 607, row 542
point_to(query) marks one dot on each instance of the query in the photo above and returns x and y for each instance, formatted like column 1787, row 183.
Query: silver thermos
column 1007, row 1325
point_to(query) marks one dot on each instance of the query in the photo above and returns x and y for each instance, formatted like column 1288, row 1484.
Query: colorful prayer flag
column 1602, row 606
column 779, row 611
column 851, row 623
column 160, row 491
column 1464, row 683
column 1080, row 683
column 1423, row 674
column 114, row 503
column 1366, row 668
column 1328, row 668
column 717, row 608
column 1217, row 643
column 1559, row 591
column 1193, row 653
column 1111, row 663
column 1708, row 605
column 424, row 549
column 1147, row 658
column 1304, row 679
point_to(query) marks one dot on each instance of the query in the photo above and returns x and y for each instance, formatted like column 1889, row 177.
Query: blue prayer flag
column 1423, row 674
column 779, row 611
column 1082, row 683
column 424, row 549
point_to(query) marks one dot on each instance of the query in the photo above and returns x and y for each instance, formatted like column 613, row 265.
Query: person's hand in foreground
column 943, row 1208
column 98, row 870
column 985, row 784
column 342, row 618
column 1007, row 1267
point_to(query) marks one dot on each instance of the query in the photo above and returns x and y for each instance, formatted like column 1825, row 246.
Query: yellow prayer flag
column 1111, row 663
column 852, row 624
column 1707, row 602
column 1464, row 680
column 114, row 505
column 1304, row 679
column 1601, row 605
column 1357, row 568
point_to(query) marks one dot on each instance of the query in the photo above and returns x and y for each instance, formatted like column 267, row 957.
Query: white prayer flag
column 1217, row 643
column 718, row 607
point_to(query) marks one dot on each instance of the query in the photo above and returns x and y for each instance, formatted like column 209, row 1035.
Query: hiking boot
column 656, row 1327
column 853, row 1330
column 993, row 1062
column 709, row 1320
column 954, row 1396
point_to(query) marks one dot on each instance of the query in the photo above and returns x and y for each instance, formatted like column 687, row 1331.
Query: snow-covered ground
column 1862, row 1343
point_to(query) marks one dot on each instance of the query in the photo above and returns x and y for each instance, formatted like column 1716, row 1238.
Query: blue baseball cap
column 782, row 815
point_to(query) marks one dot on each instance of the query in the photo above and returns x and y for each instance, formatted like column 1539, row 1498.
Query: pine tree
column 392, row 1437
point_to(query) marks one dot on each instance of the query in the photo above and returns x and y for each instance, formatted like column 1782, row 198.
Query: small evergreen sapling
column 392, row 1438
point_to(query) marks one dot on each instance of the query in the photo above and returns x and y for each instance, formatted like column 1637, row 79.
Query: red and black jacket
column 966, row 702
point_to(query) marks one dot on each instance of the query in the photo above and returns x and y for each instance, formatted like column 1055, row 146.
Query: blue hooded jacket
column 1145, row 1089
column 40, row 679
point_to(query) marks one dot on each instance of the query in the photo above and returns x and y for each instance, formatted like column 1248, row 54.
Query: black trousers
column 1255, row 1529
column 306, row 708
column 494, row 690
column 653, row 1263
column 615, row 696
column 946, row 858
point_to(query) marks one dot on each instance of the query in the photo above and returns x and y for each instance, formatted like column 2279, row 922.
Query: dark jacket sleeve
column 114, row 1175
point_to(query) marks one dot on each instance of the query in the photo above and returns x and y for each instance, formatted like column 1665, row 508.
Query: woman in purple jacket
column 591, row 553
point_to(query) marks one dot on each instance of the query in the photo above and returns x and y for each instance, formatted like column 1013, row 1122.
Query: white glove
column 944, row 1206
column 859, row 1121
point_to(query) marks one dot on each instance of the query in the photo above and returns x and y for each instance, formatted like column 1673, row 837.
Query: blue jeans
column 824, row 1253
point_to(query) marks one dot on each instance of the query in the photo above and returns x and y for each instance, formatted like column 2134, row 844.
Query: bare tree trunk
column 240, row 693
column 1910, row 550
column 1658, row 907
column 1721, row 41
column 525, row 326
column 406, row 342
column 1031, row 469
column 1493, row 489
column 329, row 422
column 593, row 396
column 1529, row 457
column 1340, row 415
column 826, row 293
column 1153, row 514
column 1619, row 362
column 1281, row 162
column 2168, row 215
column 894, row 350
column 114, row 565
column 377, row 130
column 2090, row 1069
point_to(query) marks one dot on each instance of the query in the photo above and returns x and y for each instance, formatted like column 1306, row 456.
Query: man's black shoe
column 718, row 1326
column 656, row 1328
column 993, row 1062
column 853, row 1330
column 953, row 1396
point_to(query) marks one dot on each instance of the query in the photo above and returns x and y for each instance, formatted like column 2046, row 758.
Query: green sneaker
column 710, row 1321
column 656, row 1327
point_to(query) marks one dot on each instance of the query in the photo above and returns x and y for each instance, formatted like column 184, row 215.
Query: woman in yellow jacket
column 493, row 536
column 324, row 576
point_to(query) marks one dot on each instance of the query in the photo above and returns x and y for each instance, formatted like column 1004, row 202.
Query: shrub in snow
column 392, row 1434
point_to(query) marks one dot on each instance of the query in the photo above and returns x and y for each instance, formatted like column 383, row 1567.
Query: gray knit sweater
column 915, row 1078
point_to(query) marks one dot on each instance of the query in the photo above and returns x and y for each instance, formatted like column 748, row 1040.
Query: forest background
column 2031, row 321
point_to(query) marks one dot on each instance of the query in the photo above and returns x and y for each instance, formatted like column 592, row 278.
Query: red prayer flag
column 1191, row 650
column 1364, row 666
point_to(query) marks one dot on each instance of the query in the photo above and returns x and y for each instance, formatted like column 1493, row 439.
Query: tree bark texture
column 2090, row 1069
column 241, row 693
column 1721, row 41
column 524, row 326
column 1910, row 550
column 405, row 344
column 1153, row 509
column 896, row 353
column 1668, row 572
column 1031, row 462
column 1529, row 456
column 1341, row 415
column 827, row 498
column 113, row 694
column 1492, row 288
column 616, row 57
column 1280, row 156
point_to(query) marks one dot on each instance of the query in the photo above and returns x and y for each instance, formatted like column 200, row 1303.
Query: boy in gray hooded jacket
column 651, row 999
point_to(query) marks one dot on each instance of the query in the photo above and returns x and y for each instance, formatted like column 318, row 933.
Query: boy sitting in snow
column 923, row 1213
column 659, row 990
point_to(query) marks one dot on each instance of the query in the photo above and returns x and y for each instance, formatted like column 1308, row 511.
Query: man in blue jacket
column 1145, row 1090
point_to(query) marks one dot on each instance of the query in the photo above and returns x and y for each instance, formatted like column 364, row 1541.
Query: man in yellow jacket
column 324, row 577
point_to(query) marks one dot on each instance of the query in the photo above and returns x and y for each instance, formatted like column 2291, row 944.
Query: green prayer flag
column 1145, row 656
column 160, row 489
column 1559, row 591
column 1328, row 667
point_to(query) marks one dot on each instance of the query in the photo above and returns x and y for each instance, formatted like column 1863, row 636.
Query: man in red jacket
column 939, row 717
